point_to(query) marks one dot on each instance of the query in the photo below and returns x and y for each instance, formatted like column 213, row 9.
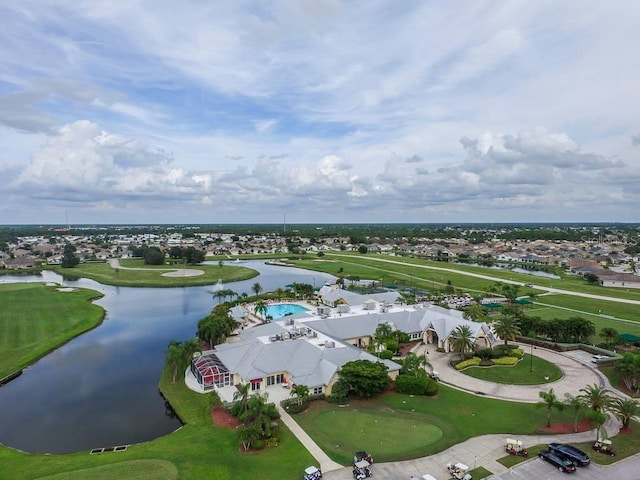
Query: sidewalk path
column 325, row 463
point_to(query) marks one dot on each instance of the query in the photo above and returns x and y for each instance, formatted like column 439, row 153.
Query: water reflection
column 101, row 389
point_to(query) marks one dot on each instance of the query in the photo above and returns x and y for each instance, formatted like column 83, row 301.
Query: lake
column 101, row 389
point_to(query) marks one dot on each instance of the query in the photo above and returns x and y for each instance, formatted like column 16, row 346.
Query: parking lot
column 537, row 469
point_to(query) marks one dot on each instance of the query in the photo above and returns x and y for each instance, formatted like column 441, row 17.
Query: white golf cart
column 459, row 471
column 312, row 473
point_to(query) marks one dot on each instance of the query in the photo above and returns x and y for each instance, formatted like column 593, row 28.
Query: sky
column 327, row 111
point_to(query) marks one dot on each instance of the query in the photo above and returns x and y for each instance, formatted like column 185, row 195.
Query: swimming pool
column 280, row 310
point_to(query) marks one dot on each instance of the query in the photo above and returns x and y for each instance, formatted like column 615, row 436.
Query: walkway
column 326, row 464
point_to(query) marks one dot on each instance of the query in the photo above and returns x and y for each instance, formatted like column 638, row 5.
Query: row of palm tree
column 596, row 401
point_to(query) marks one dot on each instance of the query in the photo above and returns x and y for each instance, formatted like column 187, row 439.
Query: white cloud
column 340, row 110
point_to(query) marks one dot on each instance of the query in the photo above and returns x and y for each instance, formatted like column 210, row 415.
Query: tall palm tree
column 260, row 308
column 576, row 403
column 256, row 288
column 173, row 358
column 597, row 397
column 549, row 401
column 624, row 409
column 384, row 330
column 507, row 328
column 462, row 340
column 475, row 313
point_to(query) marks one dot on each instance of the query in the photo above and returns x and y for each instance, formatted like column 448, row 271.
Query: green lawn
column 151, row 275
column 458, row 415
column 197, row 450
column 520, row 374
column 36, row 319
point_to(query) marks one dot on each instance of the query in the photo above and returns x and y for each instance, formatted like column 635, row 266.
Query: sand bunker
column 65, row 289
column 184, row 272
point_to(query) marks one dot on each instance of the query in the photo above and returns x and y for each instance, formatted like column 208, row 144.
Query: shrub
column 412, row 385
column 257, row 444
column 472, row 362
column 517, row 352
column 432, row 387
column 272, row 442
column 506, row 361
column 386, row 355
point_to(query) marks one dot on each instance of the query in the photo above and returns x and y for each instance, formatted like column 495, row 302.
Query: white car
column 595, row 358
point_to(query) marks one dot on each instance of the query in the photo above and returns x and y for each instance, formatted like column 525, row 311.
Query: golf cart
column 459, row 471
column 514, row 447
column 361, row 470
column 604, row 446
column 312, row 473
column 362, row 456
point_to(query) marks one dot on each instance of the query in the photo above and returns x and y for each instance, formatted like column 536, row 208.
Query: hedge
column 472, row 362
column 506, row 361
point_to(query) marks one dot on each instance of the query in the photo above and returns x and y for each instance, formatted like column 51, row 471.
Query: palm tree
column 597, row 397
column 624, row 409
column 280, row 292
column 462, row 340
column 577, row 404
column 384, row 330
column 609, row 334
column 260, row 308
column 507, row 328
column 549, row 401
column 248, row 434
column 414, row 364
column 241, row 398
column 189, row 347
column 475, row 313
column 301, row 392
column 256, row 288
column 173, row 358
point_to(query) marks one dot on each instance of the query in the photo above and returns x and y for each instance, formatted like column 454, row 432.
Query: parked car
column 574, row 454
column 562, row 463
column 595, row 358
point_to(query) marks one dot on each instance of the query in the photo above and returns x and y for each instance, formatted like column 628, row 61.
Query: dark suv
column 563, row 463
column 574, row 454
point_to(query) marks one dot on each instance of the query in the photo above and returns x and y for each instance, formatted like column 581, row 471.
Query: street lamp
column 531, row 359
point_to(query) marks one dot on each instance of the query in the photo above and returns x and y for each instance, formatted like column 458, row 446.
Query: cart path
column 326, row 464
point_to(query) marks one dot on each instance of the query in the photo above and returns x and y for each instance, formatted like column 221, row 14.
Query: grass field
column 409, row 272
column 196, row 451
column 151, row 275
column 36, row 319
column 471, row 416
column 527, row 371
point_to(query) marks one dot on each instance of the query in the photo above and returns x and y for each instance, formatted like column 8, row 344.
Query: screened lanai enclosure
column 211, row 372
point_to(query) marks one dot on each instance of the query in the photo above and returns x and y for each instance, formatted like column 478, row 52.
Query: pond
column 101, row 389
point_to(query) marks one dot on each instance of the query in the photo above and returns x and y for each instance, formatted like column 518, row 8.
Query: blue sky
column 326, row 111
